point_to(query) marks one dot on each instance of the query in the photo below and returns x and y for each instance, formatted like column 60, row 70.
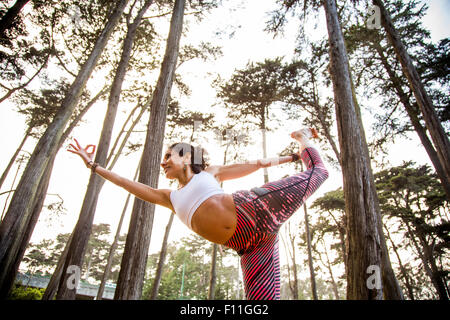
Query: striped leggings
column 260, row 214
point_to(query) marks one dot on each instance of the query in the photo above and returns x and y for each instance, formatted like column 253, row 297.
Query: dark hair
column 198, row 155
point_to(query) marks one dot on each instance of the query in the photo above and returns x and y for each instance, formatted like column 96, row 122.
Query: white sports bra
column 186, row 200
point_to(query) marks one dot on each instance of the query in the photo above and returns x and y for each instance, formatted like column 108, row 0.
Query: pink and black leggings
column 260, row 214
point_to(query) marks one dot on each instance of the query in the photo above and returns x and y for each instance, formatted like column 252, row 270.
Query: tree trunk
column 50, row 291
column 41, row 195
column 342, row 231
column 310, row 259
column 162, row 258
column 13, row 158
column 402, row 267
column 163, row 252
column 42, row 192
column 113, row 158
column 13, row 227
column 432, row 122
column 83, row 227
column 294, row 267
column 113, row 247
column 391, row 287
column 10, row 15
column 264, row 141
column 422, row 255
column 52, row 285
column 213, row 275
column 410, row 110
column 11, row 191
column 113, row 152
column 321, row 117
column 435, row 274
column 131, row 276
column 43, row 186
column 364, row 248
column 111, row 253
column 330, row 270
column 88, row 267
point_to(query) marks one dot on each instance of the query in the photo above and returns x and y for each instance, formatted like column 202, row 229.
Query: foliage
column 415, row 211
column 43, row 257
column 193, row 254
column 25, row 293
column 252, row 90
column 412, row 197
column 371, row 53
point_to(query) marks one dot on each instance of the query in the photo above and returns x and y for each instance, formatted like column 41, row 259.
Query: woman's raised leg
column 284, row 197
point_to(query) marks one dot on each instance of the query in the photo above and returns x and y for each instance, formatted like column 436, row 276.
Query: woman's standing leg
column 261, row 269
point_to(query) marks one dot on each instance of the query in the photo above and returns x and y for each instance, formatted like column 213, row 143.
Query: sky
column 248, row 43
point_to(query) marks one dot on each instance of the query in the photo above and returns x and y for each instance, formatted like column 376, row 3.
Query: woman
column 246, row 221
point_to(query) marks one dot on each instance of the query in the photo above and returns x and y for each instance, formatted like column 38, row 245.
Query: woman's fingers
column 76, row 141
column 82, row 152
column 74, row 148
column 90, row 146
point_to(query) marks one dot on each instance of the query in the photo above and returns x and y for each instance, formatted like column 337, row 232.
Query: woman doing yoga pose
column 246, row 221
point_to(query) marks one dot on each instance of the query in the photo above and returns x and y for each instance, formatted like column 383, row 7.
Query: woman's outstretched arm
column 140, row 190
column 238, row 170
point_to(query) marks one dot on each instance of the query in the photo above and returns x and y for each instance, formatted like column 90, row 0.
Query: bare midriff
column 215, row 219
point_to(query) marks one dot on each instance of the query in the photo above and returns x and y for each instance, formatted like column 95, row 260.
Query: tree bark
column 163, row 252
column 213, row 273
column 402, row 267
column 52, row 286
column 391, row 287
column 113, row 247
column 111, row 253
column 321, row 118
column 50, row 291
column 310, row 258
column 43, row 186
column 436, row 277
column 363, row 238
column 264, row 141
column 41, row 195
column 423, row 256
column 13, row 227
column 132, row 271
column 162, row 258
column 83, row 227
column 432, row 122
column 330, row 270
column 294, row 266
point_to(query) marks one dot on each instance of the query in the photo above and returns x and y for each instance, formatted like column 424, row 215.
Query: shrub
column 22, row 293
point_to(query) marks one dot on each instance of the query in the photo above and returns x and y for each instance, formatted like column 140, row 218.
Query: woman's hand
column 83, row 152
